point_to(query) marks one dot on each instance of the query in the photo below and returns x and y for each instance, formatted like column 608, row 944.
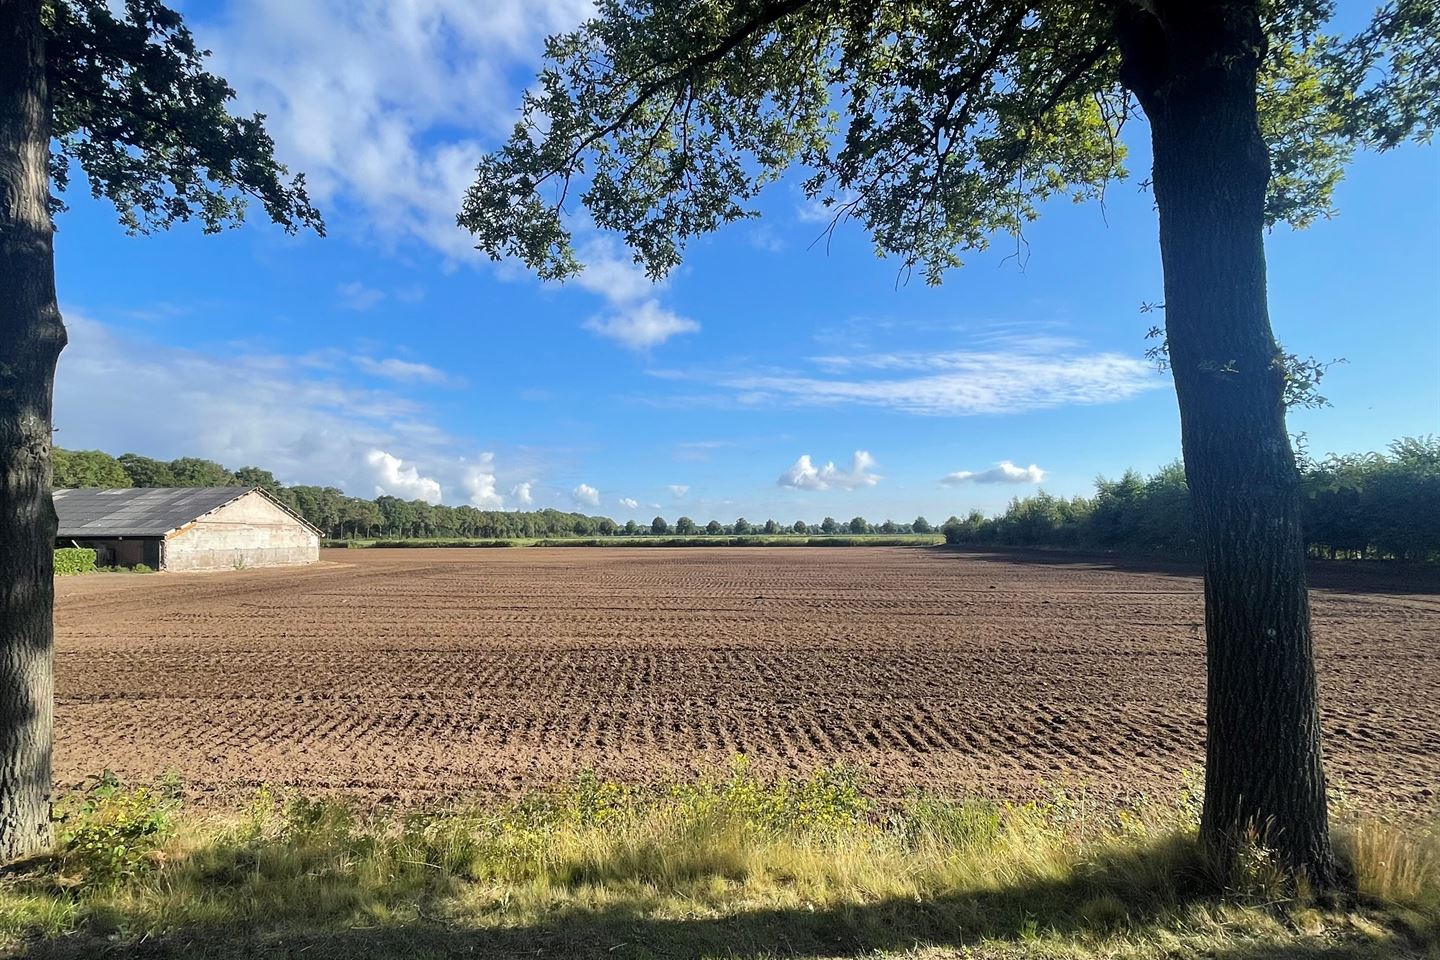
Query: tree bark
column 1193, row 66
column 31, row 338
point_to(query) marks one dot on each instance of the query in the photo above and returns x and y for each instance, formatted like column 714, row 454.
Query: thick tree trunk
column 1193, row 65
column 31, row 338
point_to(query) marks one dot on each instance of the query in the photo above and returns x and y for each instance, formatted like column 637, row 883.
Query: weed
column 108, row 833
column 731, row 864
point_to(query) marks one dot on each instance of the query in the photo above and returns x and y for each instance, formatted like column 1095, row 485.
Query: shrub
column 74, row 560
column 109, row 832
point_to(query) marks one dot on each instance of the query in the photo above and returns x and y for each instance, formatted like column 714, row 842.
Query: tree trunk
column 31, row 338
column 1193, row 66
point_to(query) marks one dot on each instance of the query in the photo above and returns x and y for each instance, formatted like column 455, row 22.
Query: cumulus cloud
column 522, row 492
column 679, row 490
column 586, row 495
column 629, row 503
column 641, row 326
column 1013, row 376
column 804, row 475
column 479, row 483
column 393, row 368
column 1002, row 472
column 393, row 477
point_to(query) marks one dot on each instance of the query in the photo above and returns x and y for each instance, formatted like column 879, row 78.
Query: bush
column 1377, row 505
column 74, row 560
column 109, row 832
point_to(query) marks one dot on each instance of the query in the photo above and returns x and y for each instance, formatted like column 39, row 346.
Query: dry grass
column 730, row 866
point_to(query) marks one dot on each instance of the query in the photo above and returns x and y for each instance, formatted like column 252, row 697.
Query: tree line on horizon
column 1354, row 506
column 1373, row 505
column 341, row 516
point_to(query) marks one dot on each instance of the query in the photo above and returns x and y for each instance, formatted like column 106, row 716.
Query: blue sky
column 770, row 376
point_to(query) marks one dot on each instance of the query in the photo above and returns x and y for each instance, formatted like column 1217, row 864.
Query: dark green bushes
column 1378, row 505
column 74, row 560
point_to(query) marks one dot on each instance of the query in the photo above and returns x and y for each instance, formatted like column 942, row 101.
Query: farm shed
column 185, row 528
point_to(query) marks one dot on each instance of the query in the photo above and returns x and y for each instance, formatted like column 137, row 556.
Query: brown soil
column 419, row 674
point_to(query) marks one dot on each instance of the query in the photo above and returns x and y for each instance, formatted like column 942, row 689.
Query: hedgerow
column 74, row 560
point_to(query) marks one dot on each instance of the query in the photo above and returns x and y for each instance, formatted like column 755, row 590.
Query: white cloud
column 387, row 108
column 765, row 239
column 1002, row 472
column 641, row 326
column 679, row 490
column 357, row 296
column 479, row 482
column 608, row 273
column 1026, row 374
column 586, row 495
column 814, row 210
column 394, row 478
column 804, row 475
column 393, row 368
column 629, row 503
column 311, row 419
column 386, row 105
column 522, row 492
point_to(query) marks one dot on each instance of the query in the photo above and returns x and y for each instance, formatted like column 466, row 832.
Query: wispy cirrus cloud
column 1002, row 472
column 1009, row 375
column 408, row 371
column 357, row 296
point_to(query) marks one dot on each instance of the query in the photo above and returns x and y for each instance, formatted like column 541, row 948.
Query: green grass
column 747, row 540
column 732, row 866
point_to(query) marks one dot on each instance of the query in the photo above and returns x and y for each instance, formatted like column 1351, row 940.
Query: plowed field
column 419, row 674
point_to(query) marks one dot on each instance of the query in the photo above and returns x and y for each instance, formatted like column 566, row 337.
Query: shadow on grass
column 1340, row 576
column 1149, row 902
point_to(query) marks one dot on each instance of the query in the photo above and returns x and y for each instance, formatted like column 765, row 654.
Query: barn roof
column 137, row 511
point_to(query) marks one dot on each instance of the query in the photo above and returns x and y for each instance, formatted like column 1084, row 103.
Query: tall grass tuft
column 731, row 864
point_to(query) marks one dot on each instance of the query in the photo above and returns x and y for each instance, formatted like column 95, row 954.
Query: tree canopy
column 136, row 111
column 936, row 125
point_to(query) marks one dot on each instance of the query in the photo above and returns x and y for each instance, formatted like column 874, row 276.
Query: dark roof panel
column 136, row 511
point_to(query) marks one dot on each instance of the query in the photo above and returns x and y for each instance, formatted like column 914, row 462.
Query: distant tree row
column 1382, row 505
column 742, row 527
column 342, row 516
column 1375, row 505
column 328, row 508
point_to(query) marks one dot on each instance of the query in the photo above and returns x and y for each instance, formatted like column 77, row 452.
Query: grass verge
column 732, row 865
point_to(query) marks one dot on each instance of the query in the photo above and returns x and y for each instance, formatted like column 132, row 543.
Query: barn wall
column 251, row 532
